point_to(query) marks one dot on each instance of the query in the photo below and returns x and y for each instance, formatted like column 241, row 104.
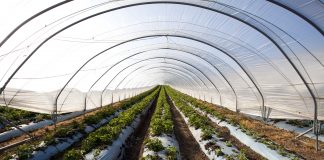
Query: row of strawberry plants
column 161, row 128
column 105, row 135
column 63, row 132
column 216, row 141
column 234, row 120
column 124, row 105
column 18, row 117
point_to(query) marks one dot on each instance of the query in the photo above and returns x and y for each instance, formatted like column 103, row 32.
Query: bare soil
column 189, row 147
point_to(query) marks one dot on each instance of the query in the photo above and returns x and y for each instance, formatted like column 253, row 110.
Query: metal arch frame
column 180, row 3
column 126, row 6
column 298, row 14
column 175, row 73
column 147, row 84
column 121, row 71
column 137, row 75
column 179, row 36
column 160, row 67
column 137, row 53
column 218, row 71
column 191, row 38
column 184, row 78
column 174, row 49
column 144, row 60
column 143, row 66
column 164, row 68
column 173, row 68
column 278, row 46
column 170, row 68
column 175, row 59
column 126, row 59
column 234, row 8
column 206, row 60
column 169, row 72
column 138, row 4
column 139, row 83
column 220, row 60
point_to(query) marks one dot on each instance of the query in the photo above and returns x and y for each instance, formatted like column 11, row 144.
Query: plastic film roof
column 263, row 58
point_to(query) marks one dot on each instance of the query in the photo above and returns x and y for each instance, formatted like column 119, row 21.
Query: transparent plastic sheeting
column 74, row 101
column 264, row 58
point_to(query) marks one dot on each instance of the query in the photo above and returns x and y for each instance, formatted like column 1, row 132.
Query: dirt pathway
column 189, row 148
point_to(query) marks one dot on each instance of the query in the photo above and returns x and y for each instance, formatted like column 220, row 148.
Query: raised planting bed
column 282, row 141
column 57, row 140
column 19, row 117
column 215, row 141
column 36, row 125
column 161, row 142
column 107, row 141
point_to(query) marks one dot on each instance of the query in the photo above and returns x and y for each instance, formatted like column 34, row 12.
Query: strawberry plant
column 154, row 144
column 171, row 153
column 73, row 155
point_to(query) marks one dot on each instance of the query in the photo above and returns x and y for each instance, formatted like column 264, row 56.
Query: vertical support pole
column 54, row 114
column 54, row 119
column 316, row 129
column 220, row 100
column 85, row 107
column 101, row 101
column 315, row 126
column 112, row 98
column 204, row 98
column 263, row 111
column 236, row 105
column 317, row 143
column 211, row 99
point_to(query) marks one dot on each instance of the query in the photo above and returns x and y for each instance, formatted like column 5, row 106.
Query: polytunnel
column 261, row 58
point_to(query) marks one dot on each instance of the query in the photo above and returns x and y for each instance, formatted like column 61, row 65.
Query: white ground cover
column 167, row 141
